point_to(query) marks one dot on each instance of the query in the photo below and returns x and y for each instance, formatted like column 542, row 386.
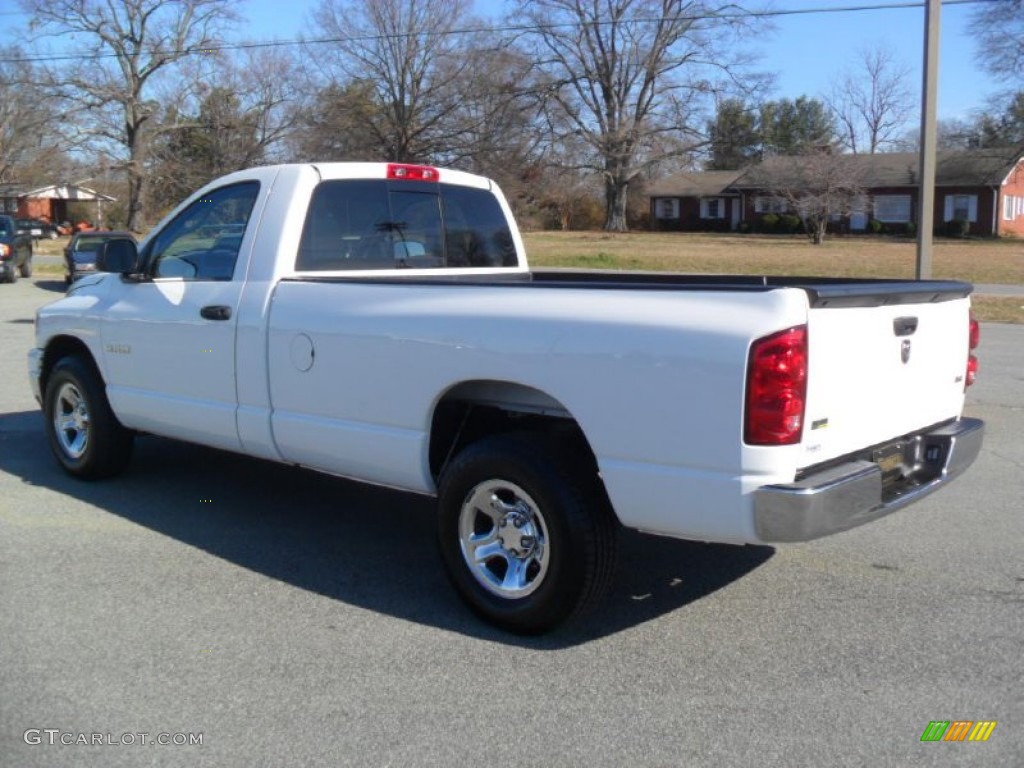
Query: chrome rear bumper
column 853, row 493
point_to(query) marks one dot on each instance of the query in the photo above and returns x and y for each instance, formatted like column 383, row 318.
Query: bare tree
column 239, row 116
column 407, row 54
column 818, row 187
column 30, row 147
column 999, row 27
column 872, row 102
column 332, row 124
column 131, row 43
column 624, row 72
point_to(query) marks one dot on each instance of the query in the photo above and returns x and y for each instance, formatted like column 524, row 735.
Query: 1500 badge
column 119, row 349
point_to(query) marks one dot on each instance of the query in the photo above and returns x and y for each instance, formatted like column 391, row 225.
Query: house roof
column 954, row 168
column 54, row 192
column 694, row 184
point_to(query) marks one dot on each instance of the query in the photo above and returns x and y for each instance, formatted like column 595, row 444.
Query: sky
column 806, row 51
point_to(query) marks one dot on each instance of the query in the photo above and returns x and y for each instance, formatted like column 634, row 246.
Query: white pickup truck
column 379, row 321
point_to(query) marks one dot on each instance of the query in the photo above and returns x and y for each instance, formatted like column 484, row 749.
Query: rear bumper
column 852, row 494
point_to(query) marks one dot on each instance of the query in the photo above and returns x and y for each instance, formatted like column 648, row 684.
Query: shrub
column 910, row 230
column 790, row 224
column 744, row 227
column 875, row 226
column 958, row 228
column 769, row 222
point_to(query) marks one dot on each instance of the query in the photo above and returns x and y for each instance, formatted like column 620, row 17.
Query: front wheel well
column 60, row 347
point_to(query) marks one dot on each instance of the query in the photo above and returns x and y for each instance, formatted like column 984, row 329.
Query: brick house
column 697, row 201
column 48, row 202
column 983, row 187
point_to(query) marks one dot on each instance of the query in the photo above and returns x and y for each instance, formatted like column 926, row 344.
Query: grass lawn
column 977, row 261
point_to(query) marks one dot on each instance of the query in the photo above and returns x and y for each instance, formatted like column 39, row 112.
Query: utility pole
column 929, row 139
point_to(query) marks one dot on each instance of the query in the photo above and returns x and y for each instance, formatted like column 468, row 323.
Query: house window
column 893, row 208
column 961, row 208
column 712, row 208
column 766, row 204
column 667, row 208
column 1009, row 211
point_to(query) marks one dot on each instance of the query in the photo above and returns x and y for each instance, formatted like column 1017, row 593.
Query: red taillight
column 974, row 338
column 776, row 388
column 412, row 172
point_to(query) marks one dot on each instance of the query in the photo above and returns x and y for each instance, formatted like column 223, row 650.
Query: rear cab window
column 377, row 224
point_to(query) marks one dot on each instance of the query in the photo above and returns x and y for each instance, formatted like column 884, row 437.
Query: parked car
column 15, row 251
column 80, row 252
column 38, row 228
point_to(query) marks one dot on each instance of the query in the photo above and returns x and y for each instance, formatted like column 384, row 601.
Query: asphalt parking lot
column 288, row 618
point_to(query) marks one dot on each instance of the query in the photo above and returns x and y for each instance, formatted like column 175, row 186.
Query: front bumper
column 35, row 372
column 853, row 493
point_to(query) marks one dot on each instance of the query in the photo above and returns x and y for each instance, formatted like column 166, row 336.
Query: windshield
column 89, row 244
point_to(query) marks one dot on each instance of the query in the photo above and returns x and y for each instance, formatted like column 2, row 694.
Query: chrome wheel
column 71, row 421
column 504, row 539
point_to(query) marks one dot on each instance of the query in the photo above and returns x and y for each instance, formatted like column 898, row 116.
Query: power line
column 511, row 28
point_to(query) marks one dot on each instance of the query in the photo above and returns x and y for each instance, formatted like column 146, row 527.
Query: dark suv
column 15, row 251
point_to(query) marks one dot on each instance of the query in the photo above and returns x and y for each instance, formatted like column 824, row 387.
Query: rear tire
column 26, row 268
column 85, row 436
column 528, row 540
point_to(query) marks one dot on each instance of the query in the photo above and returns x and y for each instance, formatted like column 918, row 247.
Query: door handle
column 216, row 312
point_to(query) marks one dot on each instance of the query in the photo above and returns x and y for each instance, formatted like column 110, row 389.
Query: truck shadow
column 366, row 546
column 56, row 286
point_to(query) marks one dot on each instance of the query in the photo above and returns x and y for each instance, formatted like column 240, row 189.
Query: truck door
column 169, row 339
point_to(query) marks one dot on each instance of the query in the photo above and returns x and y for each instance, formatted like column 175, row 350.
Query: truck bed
column 821, row 291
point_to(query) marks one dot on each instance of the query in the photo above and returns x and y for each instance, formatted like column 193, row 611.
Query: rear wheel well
column 474, row 410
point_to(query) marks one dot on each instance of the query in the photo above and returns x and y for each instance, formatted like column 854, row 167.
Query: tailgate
column 880, row 372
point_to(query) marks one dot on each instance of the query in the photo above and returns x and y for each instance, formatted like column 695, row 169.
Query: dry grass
column 999, row 309
column 977, row 261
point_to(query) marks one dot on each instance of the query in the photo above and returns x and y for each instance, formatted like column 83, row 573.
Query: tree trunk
column 616, row 191
column 818, row 231
column 134, row 200
column 135, row 174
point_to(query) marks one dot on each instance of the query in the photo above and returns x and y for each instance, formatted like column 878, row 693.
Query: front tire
column 527, row 536
column 84, row 434
column 26, row 268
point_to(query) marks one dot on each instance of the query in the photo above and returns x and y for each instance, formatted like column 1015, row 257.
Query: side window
column 476, row 232
column 202, row 242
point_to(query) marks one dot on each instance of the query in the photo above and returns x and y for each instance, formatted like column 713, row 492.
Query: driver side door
column 169, row 338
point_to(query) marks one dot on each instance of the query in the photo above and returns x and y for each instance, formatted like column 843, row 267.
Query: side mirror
column 119, row 255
